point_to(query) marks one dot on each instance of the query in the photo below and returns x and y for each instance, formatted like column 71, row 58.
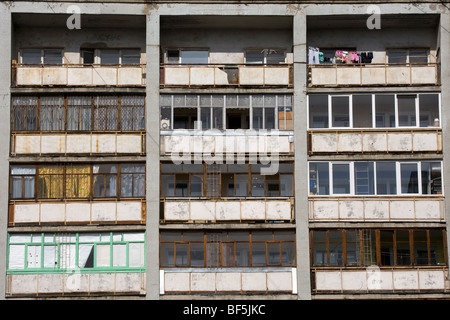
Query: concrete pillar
column 5, row 84
column 152, row 149
column 445, row 109
column 301, row 164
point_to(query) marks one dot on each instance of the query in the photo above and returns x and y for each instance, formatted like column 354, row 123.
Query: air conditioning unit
column 165, row 124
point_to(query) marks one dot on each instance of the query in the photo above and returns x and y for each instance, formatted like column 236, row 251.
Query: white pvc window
column 380, row 110
column 375, row 178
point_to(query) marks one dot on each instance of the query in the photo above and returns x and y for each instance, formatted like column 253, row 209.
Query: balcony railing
column 373, row 74
column 108, row 142
column 380, row 279
column 220, row 75
column 77, row 75
column 377, row 208
column 374, row 140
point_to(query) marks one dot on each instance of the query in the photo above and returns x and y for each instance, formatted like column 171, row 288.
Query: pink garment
column 354, row 56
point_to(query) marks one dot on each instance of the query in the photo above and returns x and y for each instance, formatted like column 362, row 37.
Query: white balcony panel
column 176, row 76
column 227, row 210
column 374, row 279
column 29, row 76
column 52, row 212
column 375, row 208
column 202, row 76
column 54, row 76
column 398, row 75
column 348, row 76
column 423, row 75
column 78, row 212
column 220, row 144
column 251, row 75
column 323, row 76
column 35, row 284
column 276, row 76
column 373, row 75
column 80, row 76
column 129, row 76
column 26, row 213
column 105, row 76
column 77, row 143
column 231, row 280
column 377, row 141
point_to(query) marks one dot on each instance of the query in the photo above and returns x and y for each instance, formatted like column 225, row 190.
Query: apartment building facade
column 224, row 150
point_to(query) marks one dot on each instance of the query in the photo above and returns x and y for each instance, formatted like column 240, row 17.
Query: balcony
column 229, row 280
column 228, row 210
column 221, row 75
column 94, row 143
column 374, row 140
column 76, row 212
column 78, row 75
column 374, row 74
column 377, row 209
column 372, row 280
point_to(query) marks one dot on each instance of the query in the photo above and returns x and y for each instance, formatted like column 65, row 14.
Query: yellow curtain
column 50, row 182
column 78, row 181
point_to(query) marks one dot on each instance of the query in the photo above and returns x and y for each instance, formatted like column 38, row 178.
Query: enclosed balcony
column 343, row 51
column 365, row 191
column 374, row 123
column 379, row 260
column 46, row 53
column 205, row 52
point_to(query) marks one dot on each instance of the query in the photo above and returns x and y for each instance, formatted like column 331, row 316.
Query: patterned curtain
column 78, row 181
column 50, row 182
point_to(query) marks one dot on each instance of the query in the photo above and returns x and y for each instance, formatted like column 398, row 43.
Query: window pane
column 182, row 254
column 429, row 110
column 119, row 255
column 369, row 247
column 217, row 118
column 274, row 57
column 273, row 254
column 353, row 248
column 318, row 111
column 181, row 187
column 205, row 114
column 50, row 257
column 286, row 185
column 385, row 110
column 166, row 118
column 335, row 243
column 431, row 178
column 52, row 57
column 362, row 111
column 241, row 185
column 109, row 57
column 16, row 187
column 258, row 254
column 340, row 111
column 320, row 248
column 386, row 178
column 387, row 247
column 254, row 56
column 288, row 253
column 228, row 259
column 319, row 178
column 269, row 118
column 136, row 255
column 194, row 56
column 103, row 255
column 409, row 182
column 196, row 185
column 167, row 254
column 31, row 56
column 420, row 248
column 197, row 254
column 341, row 178
column 397, row 56
column 403, row 249
column 258, row 121
column 437, row 247
column 418, row 56
column 167, row 185
column 212, row 254
column 257, row 185
column 364, row 178
column 406, row 111
column 131, row 57
column 242, row 254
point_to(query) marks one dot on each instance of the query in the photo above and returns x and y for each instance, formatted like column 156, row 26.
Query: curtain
column 50, row 182
column 78, row 181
